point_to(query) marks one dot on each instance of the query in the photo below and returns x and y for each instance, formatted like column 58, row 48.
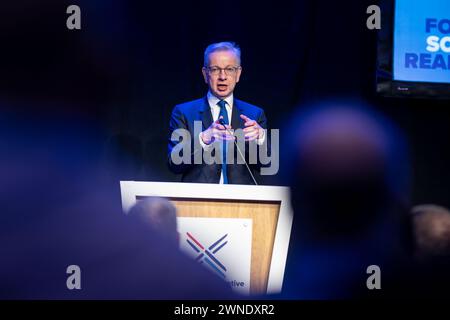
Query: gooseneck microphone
column 222, row 122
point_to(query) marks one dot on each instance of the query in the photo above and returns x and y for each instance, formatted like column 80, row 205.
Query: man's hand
column 252, row 130
column 216, row 131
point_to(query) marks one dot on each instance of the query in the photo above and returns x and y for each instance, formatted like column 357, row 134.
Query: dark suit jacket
column 184, row 115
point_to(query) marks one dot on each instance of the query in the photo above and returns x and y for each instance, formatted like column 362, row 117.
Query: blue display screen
column 422, row 41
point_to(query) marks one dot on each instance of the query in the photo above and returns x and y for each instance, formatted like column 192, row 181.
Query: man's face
column 223, row 82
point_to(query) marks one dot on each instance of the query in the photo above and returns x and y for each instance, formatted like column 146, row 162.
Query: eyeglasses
column 229, row 71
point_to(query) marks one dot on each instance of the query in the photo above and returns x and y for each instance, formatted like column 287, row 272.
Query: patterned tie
column 224, row 114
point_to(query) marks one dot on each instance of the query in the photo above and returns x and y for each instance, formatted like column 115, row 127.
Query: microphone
column 222, row 122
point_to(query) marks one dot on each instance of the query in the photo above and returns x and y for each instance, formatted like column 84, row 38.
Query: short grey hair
column 222, row 46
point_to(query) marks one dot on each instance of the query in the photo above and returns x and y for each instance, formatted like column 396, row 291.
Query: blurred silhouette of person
column 59, row 208
column 160, row 215
column 60, row 205
column 349, row 179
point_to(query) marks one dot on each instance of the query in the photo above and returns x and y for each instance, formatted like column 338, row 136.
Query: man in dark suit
column 204, row 128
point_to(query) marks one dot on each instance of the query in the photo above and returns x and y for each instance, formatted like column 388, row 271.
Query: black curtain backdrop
column 134, row 60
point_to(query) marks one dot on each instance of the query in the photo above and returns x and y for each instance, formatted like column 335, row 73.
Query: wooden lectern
column 268, row 206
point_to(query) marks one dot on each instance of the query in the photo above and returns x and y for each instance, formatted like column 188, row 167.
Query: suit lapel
column 205, row 114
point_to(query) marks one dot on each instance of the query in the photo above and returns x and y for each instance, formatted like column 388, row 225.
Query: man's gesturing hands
column 216, row 131
column 252, row 129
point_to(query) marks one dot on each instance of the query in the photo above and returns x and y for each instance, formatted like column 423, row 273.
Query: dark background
column 133, row 61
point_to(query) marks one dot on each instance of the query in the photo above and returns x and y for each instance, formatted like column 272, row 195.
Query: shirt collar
column 212, row 99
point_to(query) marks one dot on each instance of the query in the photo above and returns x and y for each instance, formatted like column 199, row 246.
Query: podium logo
column 207, row 254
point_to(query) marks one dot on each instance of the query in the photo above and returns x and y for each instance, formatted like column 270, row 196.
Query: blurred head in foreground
column 159, row 215
column 348, row 168
column 349, row 177
column 431, row 225
column 431, row 230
